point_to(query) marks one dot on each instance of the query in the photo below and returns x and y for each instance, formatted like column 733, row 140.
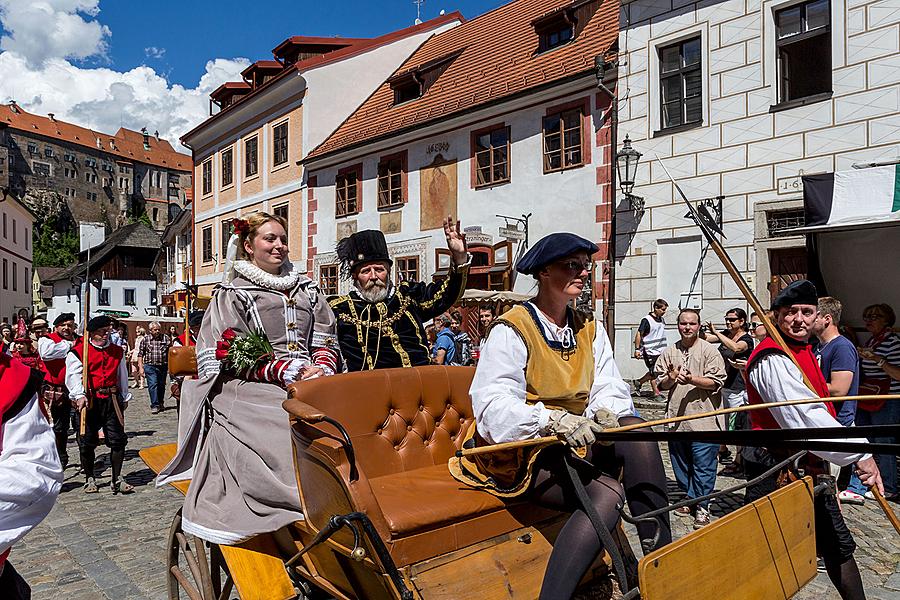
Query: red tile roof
column 358, row 47
column 497, row 59
column 129, row 144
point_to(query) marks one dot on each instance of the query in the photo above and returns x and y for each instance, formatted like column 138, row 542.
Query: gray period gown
column 234, row 436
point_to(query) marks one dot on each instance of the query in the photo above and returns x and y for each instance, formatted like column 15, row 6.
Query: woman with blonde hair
column 234, row 436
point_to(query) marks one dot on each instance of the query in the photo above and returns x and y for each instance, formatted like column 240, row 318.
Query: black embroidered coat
column 388, row 334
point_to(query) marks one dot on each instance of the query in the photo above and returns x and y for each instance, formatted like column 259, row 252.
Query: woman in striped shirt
column 881, row 363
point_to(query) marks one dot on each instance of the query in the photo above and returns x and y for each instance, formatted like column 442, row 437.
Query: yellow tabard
column 558, row 378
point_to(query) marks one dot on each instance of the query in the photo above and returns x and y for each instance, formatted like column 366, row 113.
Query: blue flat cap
column 551, row 248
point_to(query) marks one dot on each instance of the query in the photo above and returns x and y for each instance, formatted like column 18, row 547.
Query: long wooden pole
column 668, row 421
column 767, row 323
column 85, row 335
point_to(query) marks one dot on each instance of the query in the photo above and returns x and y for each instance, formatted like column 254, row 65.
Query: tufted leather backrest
column 398, row 419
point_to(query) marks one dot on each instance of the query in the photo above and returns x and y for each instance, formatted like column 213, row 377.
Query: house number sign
column 436, row 147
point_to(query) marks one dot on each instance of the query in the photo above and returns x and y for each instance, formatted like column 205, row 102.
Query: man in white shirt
column 773, row 376
column 53, row 349
column 105, row 399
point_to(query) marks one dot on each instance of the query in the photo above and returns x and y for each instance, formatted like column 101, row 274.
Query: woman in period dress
column 234, row 436
column 546, row 369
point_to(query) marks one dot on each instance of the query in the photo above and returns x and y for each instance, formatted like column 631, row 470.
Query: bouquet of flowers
column 241, row 354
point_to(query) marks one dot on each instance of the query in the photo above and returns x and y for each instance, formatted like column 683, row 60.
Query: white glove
column 575, row 430
column 606, row 419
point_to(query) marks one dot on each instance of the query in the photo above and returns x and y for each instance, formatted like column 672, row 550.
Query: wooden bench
column 254, row 567
column 764, row 550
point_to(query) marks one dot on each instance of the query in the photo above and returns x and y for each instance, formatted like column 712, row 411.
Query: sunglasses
column 731, row 319
column 872, row 317
column 576, row 266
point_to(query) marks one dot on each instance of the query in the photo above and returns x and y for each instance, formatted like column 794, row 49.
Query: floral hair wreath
column 241, row 226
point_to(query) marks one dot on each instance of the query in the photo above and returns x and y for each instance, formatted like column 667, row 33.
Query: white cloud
column 40, row 75
column 154, row 52
column 42, row 29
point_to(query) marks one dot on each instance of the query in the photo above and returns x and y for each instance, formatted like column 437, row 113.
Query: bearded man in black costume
column 380, row 324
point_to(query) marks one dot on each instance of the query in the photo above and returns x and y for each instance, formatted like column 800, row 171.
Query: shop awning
column 855, row 199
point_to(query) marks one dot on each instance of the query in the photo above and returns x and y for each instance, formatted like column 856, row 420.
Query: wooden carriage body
column 384, row 518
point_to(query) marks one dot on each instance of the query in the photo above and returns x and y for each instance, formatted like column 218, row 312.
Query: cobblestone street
column 104, row 546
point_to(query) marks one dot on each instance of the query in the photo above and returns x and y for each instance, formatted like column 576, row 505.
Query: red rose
column 229, row 335
column 241, row 226
column 222, row 350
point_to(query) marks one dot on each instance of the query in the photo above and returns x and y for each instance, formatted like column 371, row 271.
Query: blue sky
column 153, row 63
column 194, row 31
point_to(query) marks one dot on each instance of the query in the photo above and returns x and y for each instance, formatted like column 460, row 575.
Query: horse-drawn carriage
column 385, row 519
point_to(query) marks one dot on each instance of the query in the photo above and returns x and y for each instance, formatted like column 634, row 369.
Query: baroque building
column 102, row 178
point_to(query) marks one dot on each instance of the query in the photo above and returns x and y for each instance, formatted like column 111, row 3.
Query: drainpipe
column 609, row 308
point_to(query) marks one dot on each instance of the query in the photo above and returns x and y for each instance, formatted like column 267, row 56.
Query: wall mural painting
column 345, row 229
column 437, row 192
column 391, row 222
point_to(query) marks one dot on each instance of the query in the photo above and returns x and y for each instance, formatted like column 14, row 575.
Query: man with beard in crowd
column 380, row 325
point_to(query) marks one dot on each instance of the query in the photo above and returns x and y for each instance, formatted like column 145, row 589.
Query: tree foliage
column 52, row 247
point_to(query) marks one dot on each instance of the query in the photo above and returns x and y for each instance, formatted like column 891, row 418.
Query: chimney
column 146, row 138
column 13, row 106
column 51, row 115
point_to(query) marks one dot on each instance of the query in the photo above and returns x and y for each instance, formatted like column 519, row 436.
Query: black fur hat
column 360, row 248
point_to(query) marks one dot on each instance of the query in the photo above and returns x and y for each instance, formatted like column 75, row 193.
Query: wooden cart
column 384, row 518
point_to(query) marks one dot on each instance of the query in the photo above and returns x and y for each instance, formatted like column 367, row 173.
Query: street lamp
column 627, row 160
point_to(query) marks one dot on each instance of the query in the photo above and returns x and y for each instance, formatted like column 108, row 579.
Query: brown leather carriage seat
column 404, row 425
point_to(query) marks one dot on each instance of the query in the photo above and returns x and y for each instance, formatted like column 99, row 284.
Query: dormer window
column 554, row 30
column 407, row 88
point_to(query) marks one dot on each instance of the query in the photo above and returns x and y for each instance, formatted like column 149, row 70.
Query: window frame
column 343, row 174
column 402, row 158
column 103, row 297
column 806, row 34
column 229, row 171
column 326, row 281
column 276, row 151
column 206, row 244
column 125, row 301
column 286, row 206
column 5, row 274
column 15, row 276
column 584, row 106
column 402, row 267
column 34, row 165
column 255, row 140
column 206, row 177
column 680, row 73
column 225, row 233
column 474, row 153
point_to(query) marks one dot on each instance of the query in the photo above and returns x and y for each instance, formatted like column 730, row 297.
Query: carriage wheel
column 195, row 567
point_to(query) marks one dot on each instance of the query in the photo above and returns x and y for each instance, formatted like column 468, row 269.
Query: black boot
column 116, row 458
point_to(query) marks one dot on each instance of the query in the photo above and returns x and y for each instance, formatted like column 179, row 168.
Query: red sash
column 763, row 419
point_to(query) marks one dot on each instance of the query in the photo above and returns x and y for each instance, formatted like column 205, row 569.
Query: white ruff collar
column 254, row 274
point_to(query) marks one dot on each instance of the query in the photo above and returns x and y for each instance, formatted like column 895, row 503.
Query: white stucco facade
column 68, row 297
column 557, row 201
column 750, row 148
column 16, row 225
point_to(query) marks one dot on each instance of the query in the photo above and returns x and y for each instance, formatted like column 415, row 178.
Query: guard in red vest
column 53, row 349
column 30, row 472
column 106, row 399
column 771, row 377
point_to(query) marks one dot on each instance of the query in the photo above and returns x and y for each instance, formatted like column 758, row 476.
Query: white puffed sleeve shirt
column 498, row 388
